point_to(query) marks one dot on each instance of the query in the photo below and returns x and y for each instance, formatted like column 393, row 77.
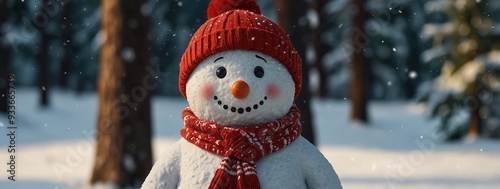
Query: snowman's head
column 239, row 68
column 240, row 88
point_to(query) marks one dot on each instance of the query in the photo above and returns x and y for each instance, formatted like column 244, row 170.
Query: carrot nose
column 240, row 89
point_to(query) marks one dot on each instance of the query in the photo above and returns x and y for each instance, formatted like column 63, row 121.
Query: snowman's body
column 241, row 88
column 299, row 165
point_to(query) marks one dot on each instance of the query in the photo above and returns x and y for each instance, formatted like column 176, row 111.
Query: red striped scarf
column 241, row 148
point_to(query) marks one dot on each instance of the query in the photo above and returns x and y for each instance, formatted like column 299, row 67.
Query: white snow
column 435, row 52
column 436, row 6
column 313, row 18
column 333, row 7
column 438, row 29
column 494, row 56
column 397, row 150
column 458, row 80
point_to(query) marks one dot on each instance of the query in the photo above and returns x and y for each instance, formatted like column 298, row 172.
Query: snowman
column 240, row 75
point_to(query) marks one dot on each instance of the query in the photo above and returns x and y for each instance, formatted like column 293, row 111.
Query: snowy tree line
column 407, row 44
column 466, row 45
column 75, row 27
column 445, row 53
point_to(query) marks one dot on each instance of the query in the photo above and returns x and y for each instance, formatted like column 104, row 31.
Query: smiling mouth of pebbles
column 240, row 110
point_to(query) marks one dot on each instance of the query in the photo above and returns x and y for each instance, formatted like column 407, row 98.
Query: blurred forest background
column 443, row 53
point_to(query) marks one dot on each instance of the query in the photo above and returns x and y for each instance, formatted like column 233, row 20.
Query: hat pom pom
column 217, row 7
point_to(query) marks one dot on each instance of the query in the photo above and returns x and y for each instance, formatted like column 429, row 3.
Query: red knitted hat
column 238, row 24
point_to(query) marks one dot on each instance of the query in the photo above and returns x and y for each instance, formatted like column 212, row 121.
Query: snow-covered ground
column 55, row 146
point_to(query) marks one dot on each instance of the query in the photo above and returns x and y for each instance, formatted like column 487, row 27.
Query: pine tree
column 23, row 38
column 332, row 48
column 320, row 45
column 67, row 41
column 467, row 44
column 84, row 43
column 393, row 47
column 174, row 23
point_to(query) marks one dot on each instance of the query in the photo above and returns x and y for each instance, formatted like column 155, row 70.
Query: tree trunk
column 360, row 65
column 124, row 154
column 4, row 77
column 43, row 62
column 67, row 35
column 289, row 13
column 4, row 60
column 320, row 47
column 475, row 119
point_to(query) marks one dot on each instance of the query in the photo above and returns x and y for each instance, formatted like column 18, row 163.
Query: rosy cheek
column 272, row 91
column 207, row 92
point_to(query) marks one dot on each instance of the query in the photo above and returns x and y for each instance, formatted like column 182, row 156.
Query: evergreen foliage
column 394, row 47
column 465, row 96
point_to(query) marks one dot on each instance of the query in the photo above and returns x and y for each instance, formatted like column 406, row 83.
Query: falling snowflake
column 128, row 54
column 412, row 74
column 394, row 49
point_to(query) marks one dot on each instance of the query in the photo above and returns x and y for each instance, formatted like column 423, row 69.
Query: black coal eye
column 221, row 72
column 258, row 71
